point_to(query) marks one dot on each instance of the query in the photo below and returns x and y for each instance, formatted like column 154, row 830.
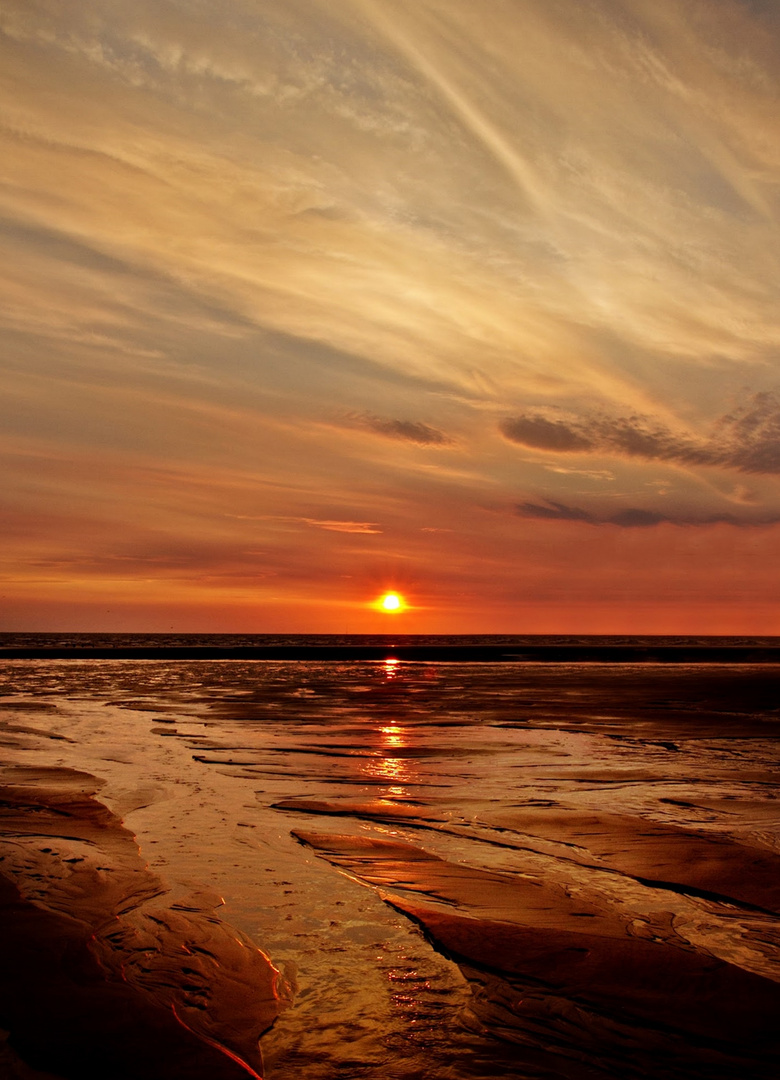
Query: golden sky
column 305, row 299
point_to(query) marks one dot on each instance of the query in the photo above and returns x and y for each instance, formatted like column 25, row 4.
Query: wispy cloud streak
column 412, row 431
column 360, row 527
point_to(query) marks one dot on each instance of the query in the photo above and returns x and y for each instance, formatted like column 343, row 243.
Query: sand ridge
column 103, row 975
column 556, row 965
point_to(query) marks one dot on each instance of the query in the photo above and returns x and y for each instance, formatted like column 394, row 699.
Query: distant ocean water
column 464, row 870
column 515, row 641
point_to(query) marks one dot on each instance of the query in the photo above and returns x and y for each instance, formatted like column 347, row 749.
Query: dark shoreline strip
column 493, row 654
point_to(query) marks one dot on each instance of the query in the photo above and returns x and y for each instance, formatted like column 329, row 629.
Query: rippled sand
column 462, row 871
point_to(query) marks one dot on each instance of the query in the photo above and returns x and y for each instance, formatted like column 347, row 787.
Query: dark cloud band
column 747, row 439
column 633, row 517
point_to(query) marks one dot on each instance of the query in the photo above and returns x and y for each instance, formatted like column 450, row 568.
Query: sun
column 391, row 602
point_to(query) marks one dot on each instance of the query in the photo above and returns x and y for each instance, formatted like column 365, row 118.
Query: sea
column 552, row 857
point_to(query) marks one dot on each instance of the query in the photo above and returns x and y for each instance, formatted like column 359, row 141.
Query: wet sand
column 561, row 965
column 477, row 872
column 101, row 977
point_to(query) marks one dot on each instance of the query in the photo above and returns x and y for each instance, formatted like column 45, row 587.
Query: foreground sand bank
column 550, row 963
column 101, row 976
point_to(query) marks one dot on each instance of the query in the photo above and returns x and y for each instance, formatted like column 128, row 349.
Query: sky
column 302, row 300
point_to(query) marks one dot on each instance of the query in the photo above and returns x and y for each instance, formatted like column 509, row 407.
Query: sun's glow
column 391, row 601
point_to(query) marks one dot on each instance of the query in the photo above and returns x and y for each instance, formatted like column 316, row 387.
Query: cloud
column 412, row 431
column 344, row 526
column 543, row 434
column 748, row 439
column 554, row 511
column 591, row 474
column 753, row 433
column 633, row 517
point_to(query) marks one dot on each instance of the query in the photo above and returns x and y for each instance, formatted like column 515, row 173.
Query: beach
column 389, row 868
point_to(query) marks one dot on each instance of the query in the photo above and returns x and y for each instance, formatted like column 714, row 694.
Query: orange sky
column 302, row 301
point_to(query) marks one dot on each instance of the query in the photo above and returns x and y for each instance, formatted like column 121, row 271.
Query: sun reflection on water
column 393, row 770
column 388, row 764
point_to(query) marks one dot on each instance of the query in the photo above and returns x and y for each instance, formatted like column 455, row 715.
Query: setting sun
column 391, row 602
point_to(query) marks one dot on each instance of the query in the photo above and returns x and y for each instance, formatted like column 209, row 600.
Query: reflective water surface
column 462, row 871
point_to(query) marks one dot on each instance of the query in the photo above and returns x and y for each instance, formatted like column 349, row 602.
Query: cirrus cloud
column 363, row 527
